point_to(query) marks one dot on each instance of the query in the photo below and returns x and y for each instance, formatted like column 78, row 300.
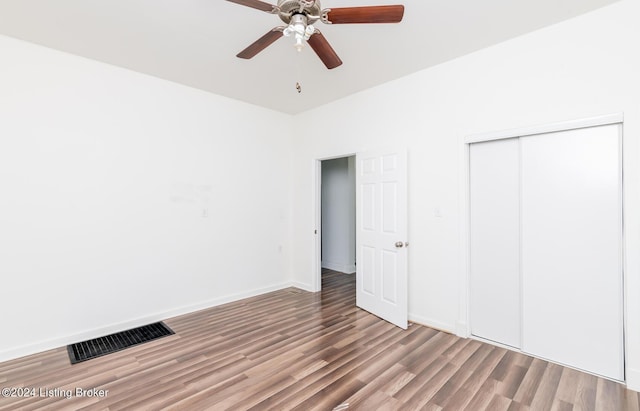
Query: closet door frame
column 463, row 326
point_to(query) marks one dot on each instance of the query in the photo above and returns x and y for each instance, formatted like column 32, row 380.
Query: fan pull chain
column 298, row 85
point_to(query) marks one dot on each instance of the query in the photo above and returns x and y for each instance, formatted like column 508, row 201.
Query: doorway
column 338, row 215
column 381, row 227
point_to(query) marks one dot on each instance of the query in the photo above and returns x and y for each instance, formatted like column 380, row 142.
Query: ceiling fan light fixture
column 299, row 29
column 309, row 31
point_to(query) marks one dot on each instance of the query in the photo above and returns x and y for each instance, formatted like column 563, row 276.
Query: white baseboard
column 341, row 268
column 113, row 328
column 431, row 323
column 633, row 379
column 462, row 330
column 303, row 286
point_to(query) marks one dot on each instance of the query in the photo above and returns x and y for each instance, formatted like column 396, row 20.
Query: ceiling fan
column 299, row 16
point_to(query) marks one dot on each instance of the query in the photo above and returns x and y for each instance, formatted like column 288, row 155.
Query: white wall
column 339, row 215
column 585, row 67
column 104, row 178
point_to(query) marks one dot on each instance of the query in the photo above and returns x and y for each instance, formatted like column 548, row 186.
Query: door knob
column 399, row 244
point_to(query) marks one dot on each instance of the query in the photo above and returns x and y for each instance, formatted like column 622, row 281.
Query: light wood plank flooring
column 294, row 350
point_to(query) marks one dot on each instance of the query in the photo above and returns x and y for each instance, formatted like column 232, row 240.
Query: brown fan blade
column 256, row 4
column 323, row 49
column 261, row 44
column 371, row 14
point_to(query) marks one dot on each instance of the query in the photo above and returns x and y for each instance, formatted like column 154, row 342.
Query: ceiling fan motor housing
column 288, row 8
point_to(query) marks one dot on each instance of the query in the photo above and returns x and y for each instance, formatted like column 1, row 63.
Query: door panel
column 368, row 213
column 381, row 223
column 389, row 207
column 571, row 249
column 366, row 282
column 495, row 241
column 390, row 277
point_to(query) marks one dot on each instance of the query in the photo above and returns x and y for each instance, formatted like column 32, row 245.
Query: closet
column 546, row 246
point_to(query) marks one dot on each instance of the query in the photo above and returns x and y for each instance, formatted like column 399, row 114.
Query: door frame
column 463, row 325
column 317, row 218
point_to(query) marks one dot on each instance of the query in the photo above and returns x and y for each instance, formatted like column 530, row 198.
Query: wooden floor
column 292, row 349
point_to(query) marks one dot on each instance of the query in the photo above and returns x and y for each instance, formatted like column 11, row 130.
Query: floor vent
column 98, row 347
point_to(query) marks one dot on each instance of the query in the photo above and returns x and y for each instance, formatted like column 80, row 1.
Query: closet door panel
column 494, row 241
column 571, row 249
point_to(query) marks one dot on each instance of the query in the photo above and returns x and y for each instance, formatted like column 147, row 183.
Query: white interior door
column 571, row 249
column 494, row 193
column 381, row 239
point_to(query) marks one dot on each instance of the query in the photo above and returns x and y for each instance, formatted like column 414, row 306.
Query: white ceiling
column 194, row 42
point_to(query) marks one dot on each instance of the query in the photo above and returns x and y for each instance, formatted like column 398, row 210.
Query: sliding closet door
column 494, row 240
column 571, row 248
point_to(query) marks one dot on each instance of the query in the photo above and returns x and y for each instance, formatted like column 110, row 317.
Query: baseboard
column 341, row 268
column 302, row 286
column 462, row 330
column 431, row 323
column 113, row 328
column 633, row 379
